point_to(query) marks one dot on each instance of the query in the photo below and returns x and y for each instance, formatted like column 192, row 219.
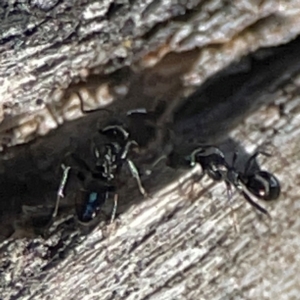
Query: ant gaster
column 95, row 188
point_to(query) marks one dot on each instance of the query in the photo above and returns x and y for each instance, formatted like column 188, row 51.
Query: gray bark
column 184, row 242
column 46, row 52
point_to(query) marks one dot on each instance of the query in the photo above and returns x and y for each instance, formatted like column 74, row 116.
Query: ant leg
column 195, row 178
column 135, row 173
column 156, row 162
column 233, row 214
column 250, row 162
column 60, row 193
column 159, row 160
column 114, row 211
column 254, row 204
column 252, row 159
column 240, row 189
column 127, row 148
column 193, row 157
column 229, row 190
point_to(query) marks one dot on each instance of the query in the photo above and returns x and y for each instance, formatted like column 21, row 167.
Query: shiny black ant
column 98, row 182
column 262, row 184
column 96, row 186
column 119, row 143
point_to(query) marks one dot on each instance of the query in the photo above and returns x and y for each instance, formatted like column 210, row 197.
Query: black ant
column 98, row 182
column 262, row 184
column 96, row 188
column 119, row 143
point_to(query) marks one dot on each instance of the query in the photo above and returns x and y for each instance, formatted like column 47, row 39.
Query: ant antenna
column 163, row 157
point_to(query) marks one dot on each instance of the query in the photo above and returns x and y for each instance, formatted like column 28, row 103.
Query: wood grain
column 46, row 54
column 184, row 245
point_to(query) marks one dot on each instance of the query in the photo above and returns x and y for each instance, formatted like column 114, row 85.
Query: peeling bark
column 48, row 48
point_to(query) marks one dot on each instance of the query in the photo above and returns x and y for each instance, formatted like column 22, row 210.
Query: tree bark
column 184, row 242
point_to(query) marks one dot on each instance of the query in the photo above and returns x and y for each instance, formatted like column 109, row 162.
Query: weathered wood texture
column 178, row 244
column 49, row 45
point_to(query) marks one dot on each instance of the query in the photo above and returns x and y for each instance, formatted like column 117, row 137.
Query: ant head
column 212, row 161
column 264, row 185
column 209, row 155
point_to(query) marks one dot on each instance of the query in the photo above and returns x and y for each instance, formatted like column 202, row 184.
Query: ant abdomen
column 264, row 186
column 89, row 204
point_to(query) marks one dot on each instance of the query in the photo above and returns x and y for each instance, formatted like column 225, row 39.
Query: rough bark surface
column 49, row 45
column 185, row 242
